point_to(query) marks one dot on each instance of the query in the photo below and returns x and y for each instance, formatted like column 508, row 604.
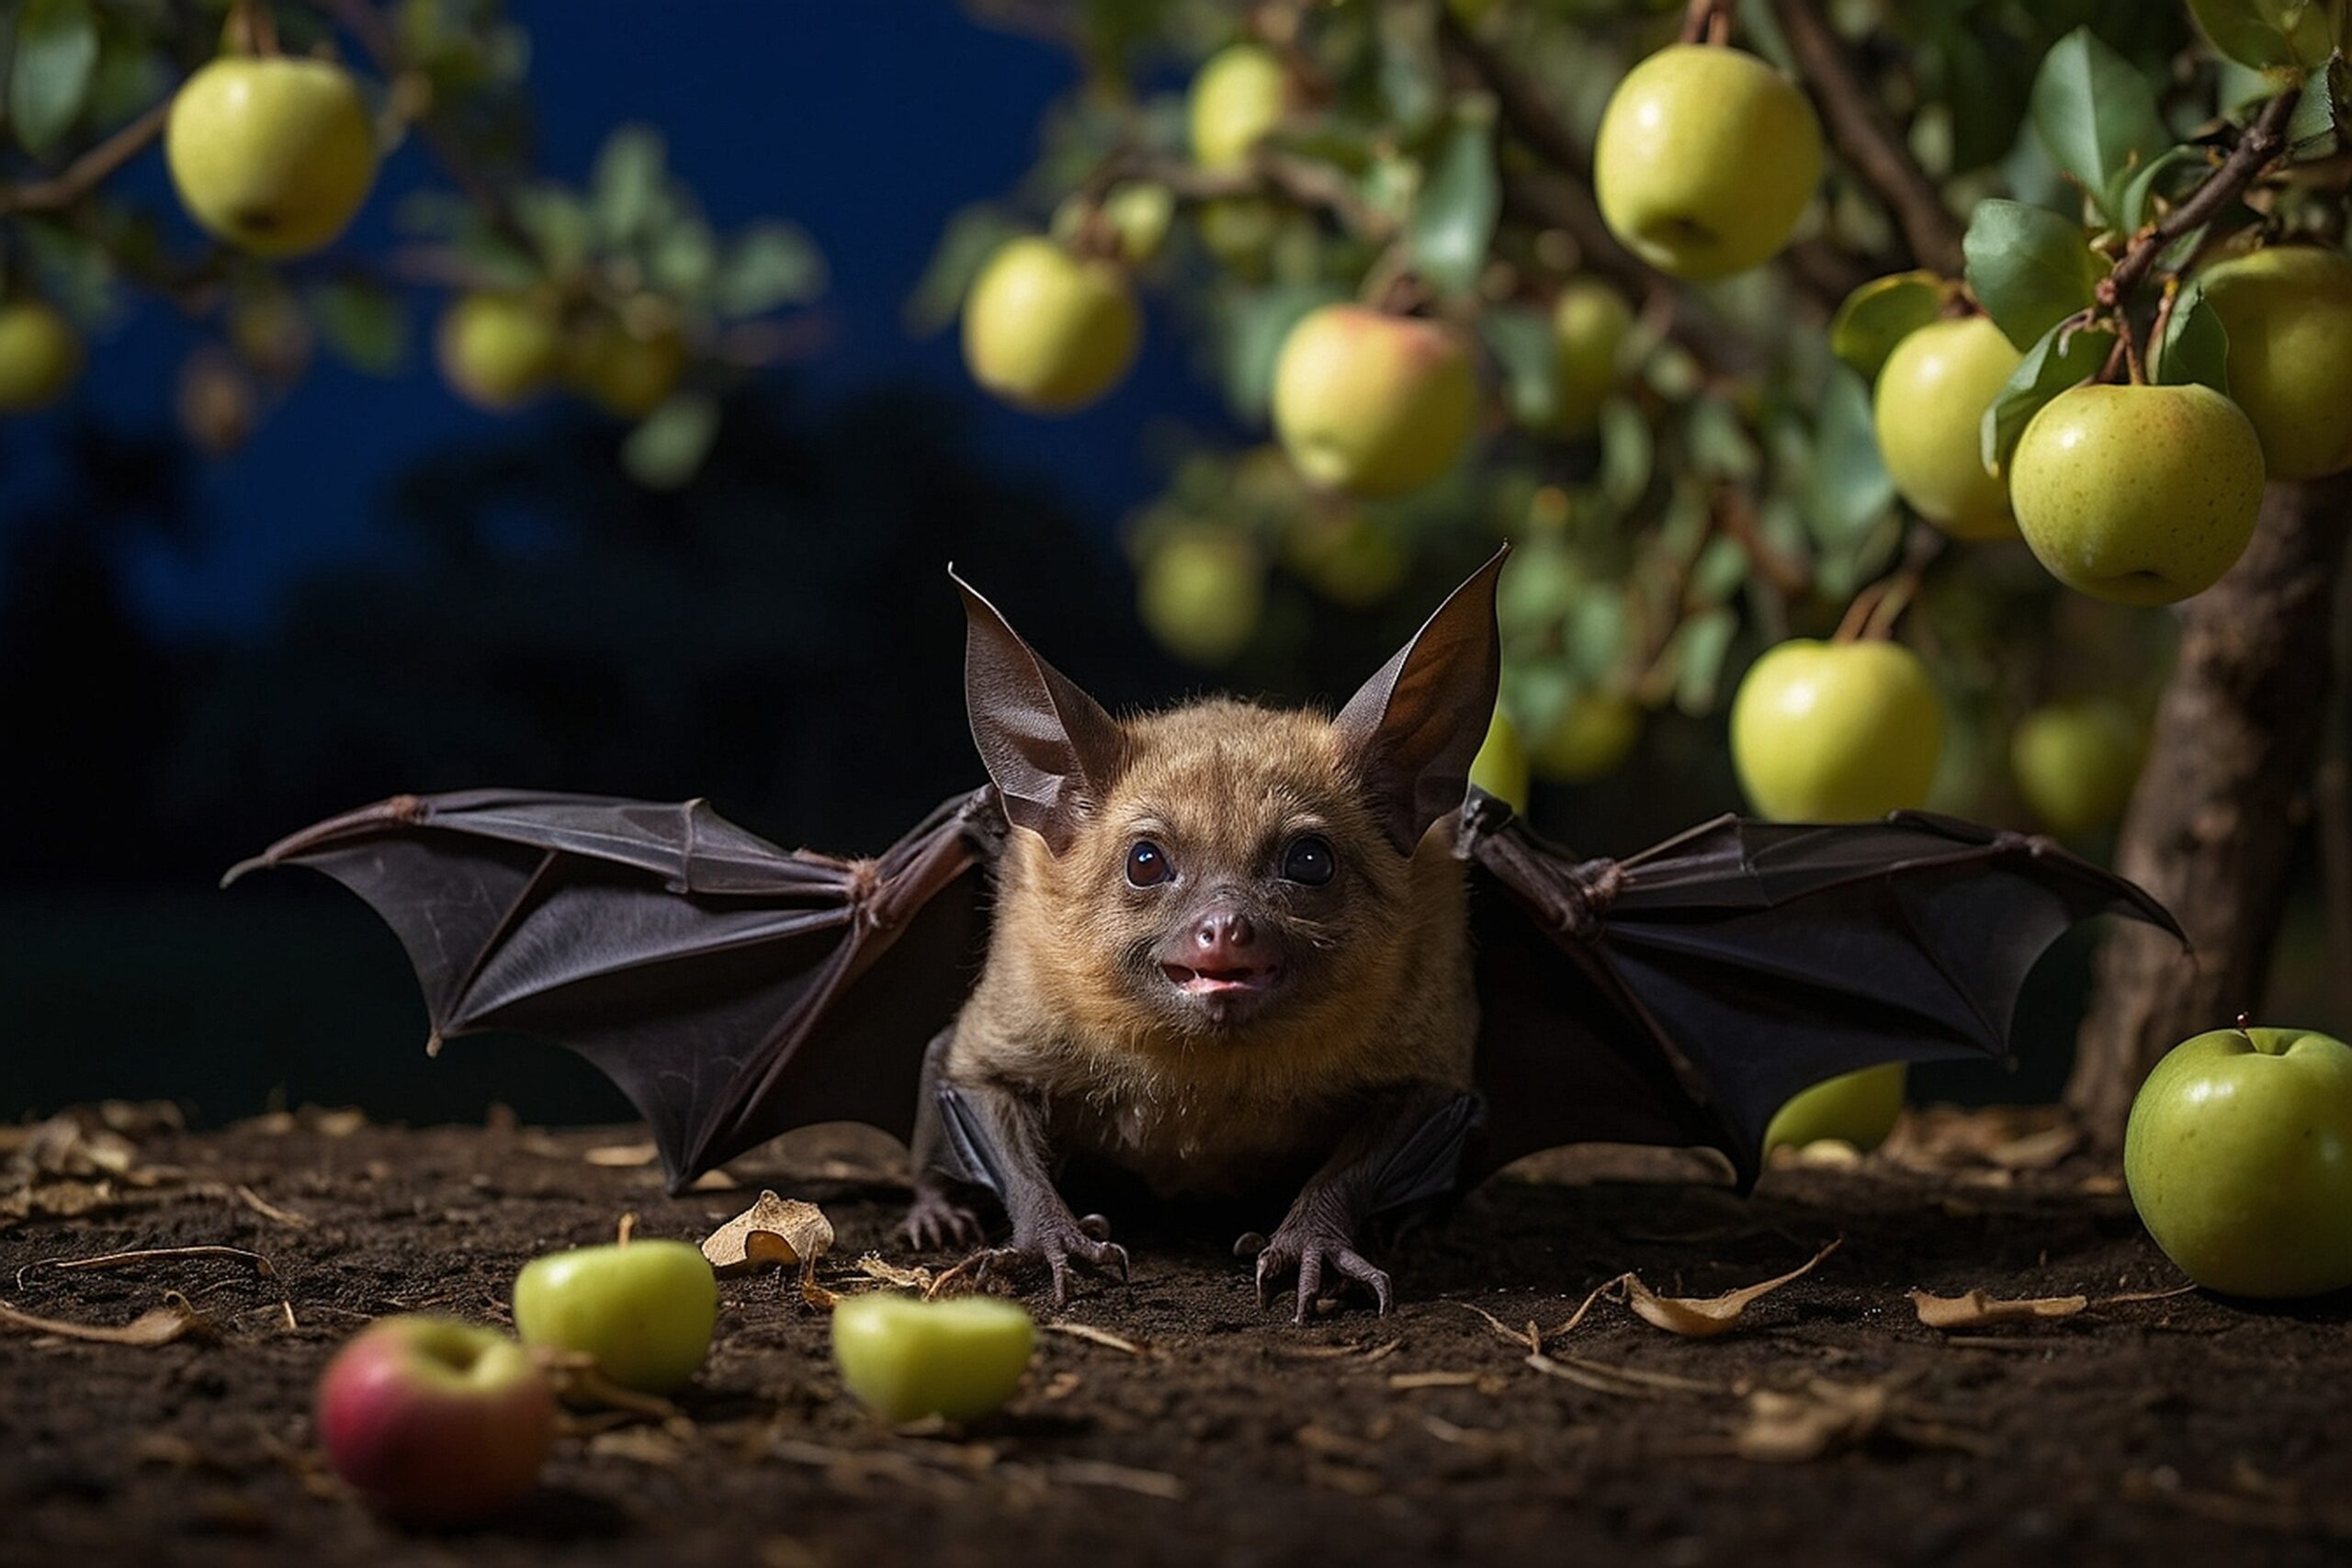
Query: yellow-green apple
column 1589, row 737
column 1836, row 731
column 2288, row 310
column 1240, row 92
column 1372, row 403
column 435, row 1419
column 905, row 1358
column 1706, row 160
column 2140, row 495
column 1349, row 558
column 1858, row 1107
column 2238, row 1154
column 627, row 361
column 1049, row 331
column 642, row 1310
column 1930, row 398
column 1138, row 211
column 1200, row 592
column 2076, row 762
column 272, row 154
column 1501, row 766
column 498, row 350
column 1589, row 323
column 39, row 355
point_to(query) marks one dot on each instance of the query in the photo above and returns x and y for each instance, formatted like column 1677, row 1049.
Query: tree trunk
column 2212, row 828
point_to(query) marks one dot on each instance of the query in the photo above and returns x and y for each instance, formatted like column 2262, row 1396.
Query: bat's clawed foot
column 1055, row 1244
column 935, row 1221
column 1309, row 1250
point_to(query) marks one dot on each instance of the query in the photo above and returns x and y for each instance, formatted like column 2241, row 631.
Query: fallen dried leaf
column 1703, row 1317
column 269, row 1211
column 1975, row 1309
column 261, row 1266
column 1786, row 1427
column 874, row 1266
column 1094, row 1336
column 622, row 1156
column 772, row 1231
column 1119, row 1477
column 645, row 1445
column 175, row 1319
column 1406, row 1382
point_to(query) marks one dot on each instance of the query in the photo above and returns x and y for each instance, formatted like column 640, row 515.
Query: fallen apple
column 1372, row 403
column 642, row 1310
column 435, row 1419
column 41, row 353
column 905, row 1358
column 2238, row 1156
column 1858, row 1107
column 1930, row 398
column 1046, row 330
column 272, row 154
column 1836, row 731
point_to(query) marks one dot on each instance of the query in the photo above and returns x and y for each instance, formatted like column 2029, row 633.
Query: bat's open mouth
column 1237, row 982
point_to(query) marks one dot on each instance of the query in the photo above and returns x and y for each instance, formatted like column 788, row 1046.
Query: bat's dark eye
column 1308, row 860
column 1148, row 864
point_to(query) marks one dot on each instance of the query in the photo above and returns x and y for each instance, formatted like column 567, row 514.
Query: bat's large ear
column 1415, row 725
column 1050, row 747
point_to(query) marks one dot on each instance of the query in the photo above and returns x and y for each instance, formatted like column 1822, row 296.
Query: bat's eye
column 1148, row 864
column 1307, row 861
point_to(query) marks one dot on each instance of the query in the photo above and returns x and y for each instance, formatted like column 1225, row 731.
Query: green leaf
column 2316, row 127
column 1256, row 324
column 2096, row 113
column 1628, row 453
column 626, row 189
column 1882, row 314
column 1454, row 216
column 2267, row 35
column 1847, row 488
column 972, row 236
column 1697, row 651
column 1523, row 343
column 2030, row 267
column 772, row 265
column 2049, row 369
column 2133, row 202
column 666, row 450
column 557, row 224
column 363, row 322
column 2196, row 345
column 57, row 50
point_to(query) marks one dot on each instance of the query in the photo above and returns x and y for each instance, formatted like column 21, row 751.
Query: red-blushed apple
column 2238, row 1154
column 1836, row 731
column 1858, row 1107
column 905, row 1358
column 642, row 1310
column 1372, row 403
column 434, row 1419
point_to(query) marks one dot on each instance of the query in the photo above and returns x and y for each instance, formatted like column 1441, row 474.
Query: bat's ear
column 1050, row 747
column 1415, row 725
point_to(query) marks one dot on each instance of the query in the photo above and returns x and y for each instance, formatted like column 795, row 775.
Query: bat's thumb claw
column 1248, row 1243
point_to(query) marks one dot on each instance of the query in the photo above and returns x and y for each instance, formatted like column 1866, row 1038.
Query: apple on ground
column 1706, row 160
column 437, row 1421
column 1589, row 323
column 628, row 361
column 642, row 1310
column 1370, row 404
column 498, row 350
column 2288, row 310
column 1239, row 95
column 39, row 355
column 1589, row 738
column 1858, row 1107
column 2076, row 763
column 1926, row 409
column 2142, row 495
column 1046, row 330
column 1501, row 766
column 1836, row 731
column 272, row 154
column 905, row 1358
column 2238, row 1154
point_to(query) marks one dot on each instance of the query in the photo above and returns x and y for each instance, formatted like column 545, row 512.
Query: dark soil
column 2178, row 1428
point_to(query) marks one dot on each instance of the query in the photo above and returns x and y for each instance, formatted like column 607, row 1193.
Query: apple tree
column 275, row 118
column 1958, row 395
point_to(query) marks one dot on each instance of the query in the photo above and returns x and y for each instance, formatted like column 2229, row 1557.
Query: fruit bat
column 1226, row 948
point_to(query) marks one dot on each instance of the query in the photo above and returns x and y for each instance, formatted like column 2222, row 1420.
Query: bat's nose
column 1223, row 938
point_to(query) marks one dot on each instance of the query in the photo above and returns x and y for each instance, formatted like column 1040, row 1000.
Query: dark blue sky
column 866, row 124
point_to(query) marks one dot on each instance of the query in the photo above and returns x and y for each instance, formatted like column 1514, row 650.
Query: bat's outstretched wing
column 734, row 990
column 1682, row 995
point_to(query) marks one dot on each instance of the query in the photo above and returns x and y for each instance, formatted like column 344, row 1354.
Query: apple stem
column 2131, row 364
column 2244, row 1020
column 627, row 1229
column 253, row 27
column 1708, row 22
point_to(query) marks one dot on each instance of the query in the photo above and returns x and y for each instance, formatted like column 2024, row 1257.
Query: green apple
column 905, row 1358
column 498, row 350
column 1589, row 739
column 41, row 353
column 1240, row 94
column 1200, row 592
column 1049, row 331
column 1930, row 400
column 2140, row 495
column 1836, row 731
column 1501, row 766
column 643, row 1310
column 2076, row 763
column 1856, row 1108
column 627, row 361
column 1590, row 324
column 1370, row 404
column 2238, row 1156
column 1350, row 559
column 2287, row 309
column 1139, row 212
column 1706, row 160
column 274, row 156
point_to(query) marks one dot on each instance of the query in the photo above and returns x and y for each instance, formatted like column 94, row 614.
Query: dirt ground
column 1180, row 1424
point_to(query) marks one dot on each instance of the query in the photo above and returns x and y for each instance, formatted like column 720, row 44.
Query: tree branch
column 1299, row 181
column 2264, row 139
column 90, row 171
column 1862, row 136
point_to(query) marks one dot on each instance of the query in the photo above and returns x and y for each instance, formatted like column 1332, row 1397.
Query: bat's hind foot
column 1055, row 1244
column 1311, row 1250
column 935, row 1221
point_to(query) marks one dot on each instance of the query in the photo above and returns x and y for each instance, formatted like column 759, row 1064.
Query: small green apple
column 1200, row 592
column 1240, row 94
column 1370, row 404
column 1856, row 1108
column 1139, row 212
column 1836, row 731
column 1350, row 559
column 1589, row 739
column 1501, row 766
column 2076, row 763
column 629, row 361
column 2288, row 310
column 272, row 154
column 498, row 350
column 1930, row 398
column 2140, row 495
column 2238, row 1154
column 1049, row 331
column 1589, row 323
column 643, row 1310
column 41, row 353
column 905, row 1358
column 1706, row 160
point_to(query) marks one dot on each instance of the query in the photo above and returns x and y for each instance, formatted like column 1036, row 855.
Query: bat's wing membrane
column 1741, row 961
column 734, row 990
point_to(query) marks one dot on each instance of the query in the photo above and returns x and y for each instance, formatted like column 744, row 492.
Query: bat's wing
column 732, row 989
column 1731, row 966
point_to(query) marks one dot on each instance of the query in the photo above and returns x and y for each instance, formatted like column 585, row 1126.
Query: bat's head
column 1222, row 868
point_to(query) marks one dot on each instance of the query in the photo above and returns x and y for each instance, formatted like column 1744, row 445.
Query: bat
column 1228, row 948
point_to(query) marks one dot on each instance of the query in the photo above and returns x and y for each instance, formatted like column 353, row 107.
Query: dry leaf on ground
column 175, row 1319
column 1784, row 1428
column 1976, row 1310
column 1703, row 1317
column 621, row 1156
column 771, row 1231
